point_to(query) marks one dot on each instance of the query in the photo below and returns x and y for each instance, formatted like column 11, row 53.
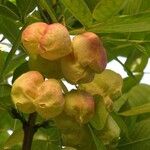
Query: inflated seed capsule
column 30, row 93
column 74, row 72
column 50, row 41
column 24, row 91
column 50, row 101
column 89, row 51
column 79, row 105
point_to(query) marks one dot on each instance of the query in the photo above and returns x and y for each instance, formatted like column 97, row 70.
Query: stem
column 29, row 131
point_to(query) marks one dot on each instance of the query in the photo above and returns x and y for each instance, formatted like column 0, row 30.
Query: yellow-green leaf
column 106, row 9
column 137, row 110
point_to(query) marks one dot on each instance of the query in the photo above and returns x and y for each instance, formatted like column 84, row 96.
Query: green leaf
column 4, row 136
column 39, row 144
column 80, row 10
column 138, row 100
column 6, row 12
column 69, row 148
column 3, row 56
column 44, row 145
column 132, row 23
column 20, row 70
column 12, row 7
column 91, row 4
column 121, row 123
column 25, row 7
column 120, row 102
column 106, row 9
column 6, row 103
column 145, row 6
column 6, row 121
column 137, row 61
column 133, row 7
column 53, row 135
column 142, row 49
column 101, row 114
column 43, row 139
column 15, row 139
column 44, row 4
column 15, row 62
column 140, row 137
column 99, row 144
column 115, row 49
column 111, row 132
column 131, row 81
column 139, row 95
column 9, row 28
column 5, row 90
column 34, row 17
column 47, row 139
column 137, row 110
column 11, row 54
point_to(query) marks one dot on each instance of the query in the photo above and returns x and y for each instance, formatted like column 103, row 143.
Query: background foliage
column 124, row 27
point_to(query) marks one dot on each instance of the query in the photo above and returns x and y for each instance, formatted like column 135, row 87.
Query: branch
column 29, row 131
